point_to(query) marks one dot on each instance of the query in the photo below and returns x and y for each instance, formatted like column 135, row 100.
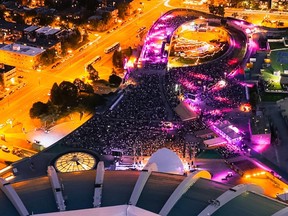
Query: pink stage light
column 235, row 129
column 222, row 99
column 253, row 45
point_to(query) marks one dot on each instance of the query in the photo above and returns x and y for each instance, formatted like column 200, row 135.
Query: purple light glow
column 188, row 85
column 219, row 177
column 235, row 129
column 262, row 166
column 222, row 99
column 253, row 45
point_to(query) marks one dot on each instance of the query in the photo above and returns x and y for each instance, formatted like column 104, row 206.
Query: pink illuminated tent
column 185, row 112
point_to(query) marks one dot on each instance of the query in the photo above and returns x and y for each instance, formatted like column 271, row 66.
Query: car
column 97, row 58
column 55, row 65
column 5, row 148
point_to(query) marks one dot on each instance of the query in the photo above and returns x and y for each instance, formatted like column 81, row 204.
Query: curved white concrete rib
column 182, row 188
column 228, row 196
column 9, row 191
column 98, row 184
column 282, row 212
column 141, row 181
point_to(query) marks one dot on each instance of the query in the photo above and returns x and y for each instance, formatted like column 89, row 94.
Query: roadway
column 16, row 106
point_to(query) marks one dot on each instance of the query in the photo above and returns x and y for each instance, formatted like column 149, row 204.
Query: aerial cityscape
column 144, row 107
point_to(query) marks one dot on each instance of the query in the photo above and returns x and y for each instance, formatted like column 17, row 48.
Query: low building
column 260, row 130
column 42, row 37
column 228, row 131
column 20, row 56
column 185, row 111
column 10, row 31
column 214, row 142
column 283, row 106
column 7, row 74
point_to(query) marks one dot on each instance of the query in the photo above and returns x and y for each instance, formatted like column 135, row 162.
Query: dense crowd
column 144, row 102
column 134, row 125
column 228, row 152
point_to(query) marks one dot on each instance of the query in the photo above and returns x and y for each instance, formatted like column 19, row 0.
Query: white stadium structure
column 160, row 188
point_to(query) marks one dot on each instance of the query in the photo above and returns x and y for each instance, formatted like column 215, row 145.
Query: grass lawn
column 275, row 80
column 276, row 45
column 209, row 154
column 279, row 60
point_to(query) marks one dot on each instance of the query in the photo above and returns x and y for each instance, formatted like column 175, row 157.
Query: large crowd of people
column 134, row 125
column 142, row 102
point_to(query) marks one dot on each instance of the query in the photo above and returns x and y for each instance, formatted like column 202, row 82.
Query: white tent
column 167, row 161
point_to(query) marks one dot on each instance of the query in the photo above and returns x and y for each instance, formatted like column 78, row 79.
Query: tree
column 122, row 9
column 212, row 9
column 38, row 109
column 45, row 20
column 69, row 93
column 82, row 87
column 55, row 95
column 2, row 12
column 74, row 38
column 91, row 101
column 48, row 56
column 245, row 17
column 221, row 10
column 93, row 73
column 18, row 18
column 79, row 84
column 106, row 17
column 117, row 59
column 115, row 80
column 89, row 88
column 235, row 14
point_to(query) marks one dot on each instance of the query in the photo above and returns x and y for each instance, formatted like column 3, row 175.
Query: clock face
column 75, row 161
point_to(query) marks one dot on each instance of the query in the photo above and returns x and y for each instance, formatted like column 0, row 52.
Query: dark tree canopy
column 82, row 87
column 115, row 80
column 122, row 9
column 93, row 73
column 117, row 59
column 48, row 57
column 39, row 109
column 69, row 93
column 55, row 95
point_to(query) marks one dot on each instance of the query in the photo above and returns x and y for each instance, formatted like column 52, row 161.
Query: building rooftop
column 22, row 49
column 259, row 125
column 46, row 30
column 12, row 26
column 31, row 28
column 44, row 43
